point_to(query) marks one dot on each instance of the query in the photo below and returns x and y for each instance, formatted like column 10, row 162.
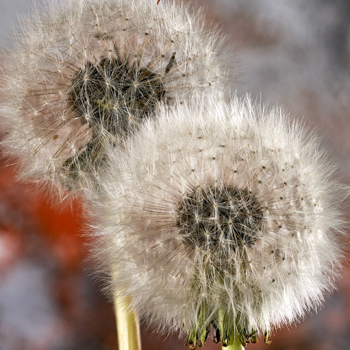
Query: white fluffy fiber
column 56, row 41
column 178, row 285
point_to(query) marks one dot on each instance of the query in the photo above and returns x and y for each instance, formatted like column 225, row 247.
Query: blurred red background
column 295, row 54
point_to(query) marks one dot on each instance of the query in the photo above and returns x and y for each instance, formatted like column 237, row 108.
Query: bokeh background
column 294, row 53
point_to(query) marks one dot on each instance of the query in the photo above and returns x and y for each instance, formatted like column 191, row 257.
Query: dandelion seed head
column 251, row 230
column 83, row 66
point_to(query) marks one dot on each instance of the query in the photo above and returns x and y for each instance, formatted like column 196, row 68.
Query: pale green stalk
column 234, row 343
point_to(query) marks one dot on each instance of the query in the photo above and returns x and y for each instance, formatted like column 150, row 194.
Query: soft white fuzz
column 84, row 74
column 220, row 214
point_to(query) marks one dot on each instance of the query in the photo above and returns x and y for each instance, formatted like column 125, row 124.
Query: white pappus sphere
column 84, row 74
column 222, row 215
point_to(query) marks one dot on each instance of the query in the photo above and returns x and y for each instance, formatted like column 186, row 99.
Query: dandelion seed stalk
column 234, row 343
column 128, row 328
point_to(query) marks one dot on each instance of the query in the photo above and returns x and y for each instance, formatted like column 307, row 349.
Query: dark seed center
column 115, row 95
column 220, row 220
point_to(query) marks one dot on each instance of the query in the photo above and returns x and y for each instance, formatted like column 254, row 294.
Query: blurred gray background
column 10, row 10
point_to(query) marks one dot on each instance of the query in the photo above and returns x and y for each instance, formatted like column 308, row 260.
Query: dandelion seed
column 90, row 65
column 249, row 249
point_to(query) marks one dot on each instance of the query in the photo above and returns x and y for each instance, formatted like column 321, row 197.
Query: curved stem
column 128, row 327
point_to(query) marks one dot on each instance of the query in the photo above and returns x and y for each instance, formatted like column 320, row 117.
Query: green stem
column 128, row 328
column 234, row 343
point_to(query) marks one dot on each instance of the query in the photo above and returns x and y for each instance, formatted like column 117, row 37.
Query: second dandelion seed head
column 85, row 74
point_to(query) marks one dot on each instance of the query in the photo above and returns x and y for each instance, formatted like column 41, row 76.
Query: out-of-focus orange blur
column 290, row 53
